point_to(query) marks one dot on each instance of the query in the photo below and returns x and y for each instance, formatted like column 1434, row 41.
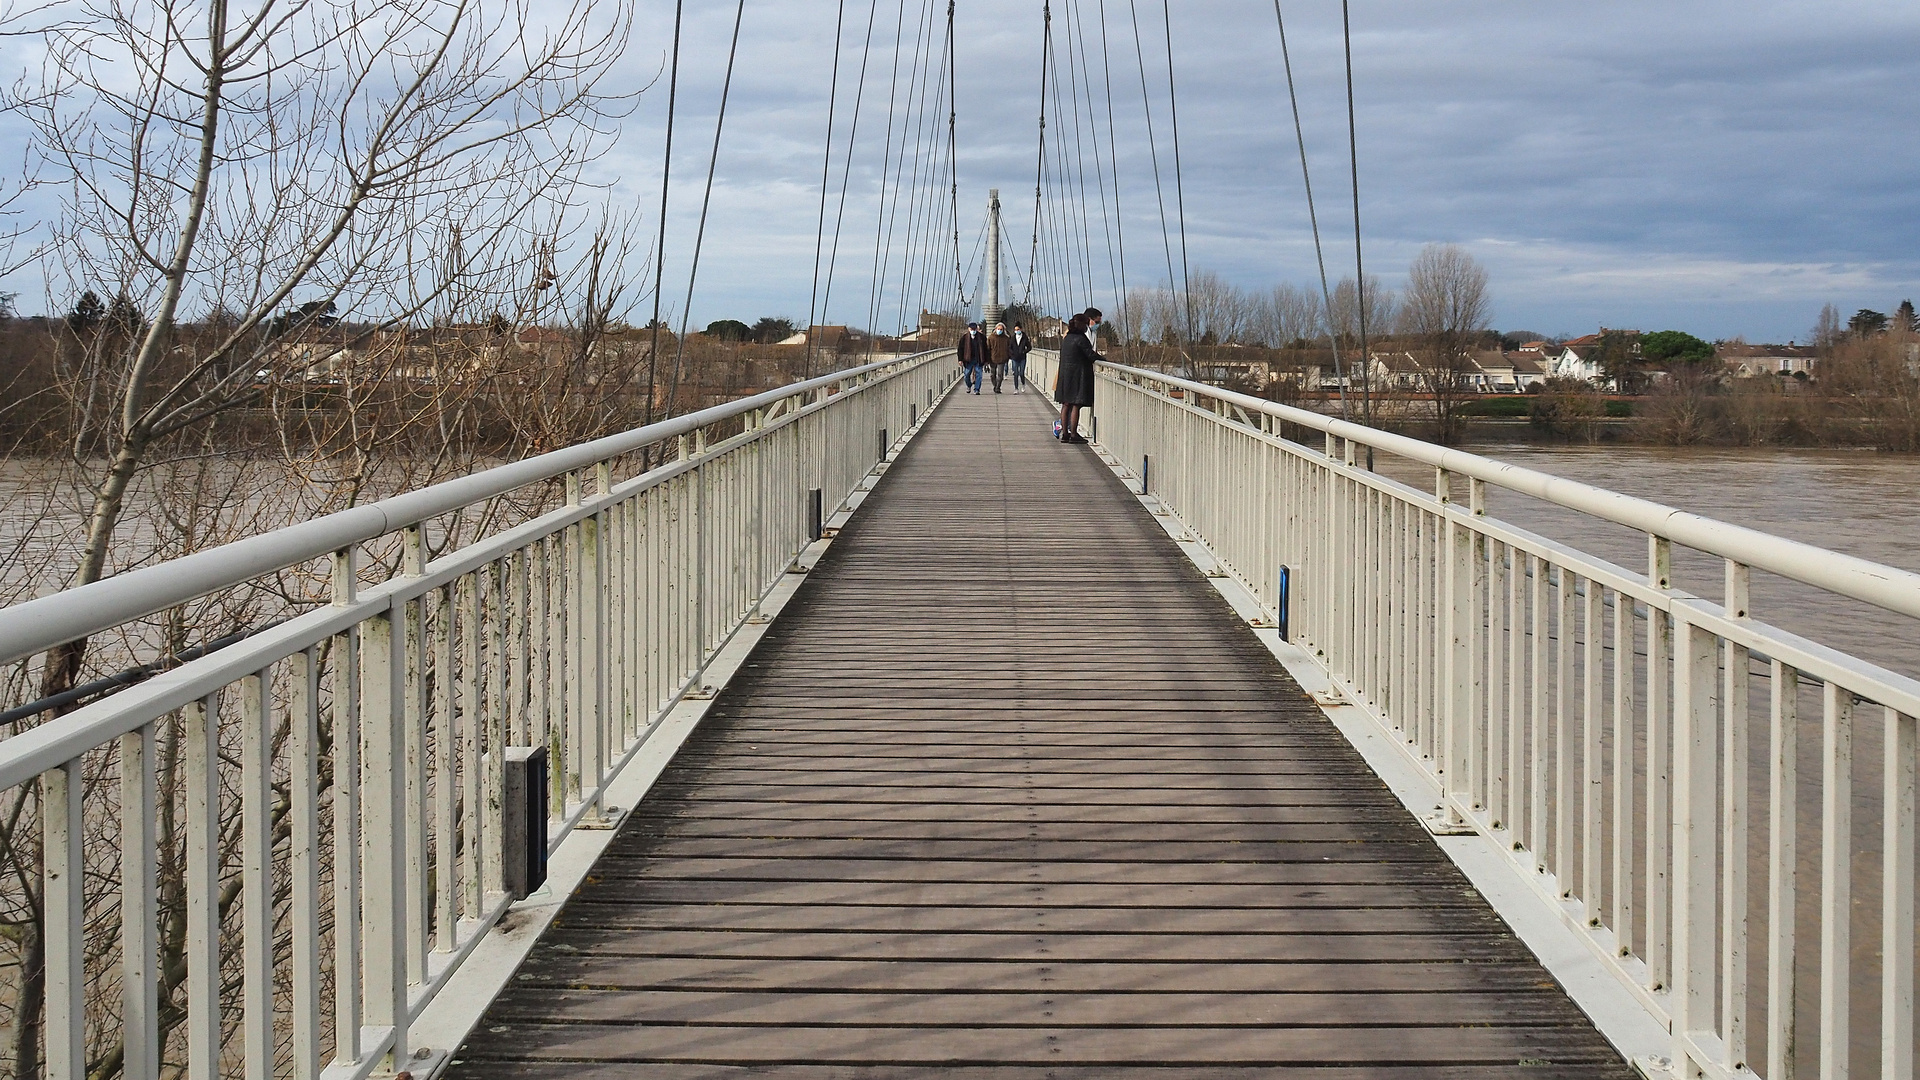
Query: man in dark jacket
column 1022, row 345
column 973, row 357
column 999, row 352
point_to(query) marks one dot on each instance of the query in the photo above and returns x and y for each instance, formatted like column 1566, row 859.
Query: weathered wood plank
column 1008, row 793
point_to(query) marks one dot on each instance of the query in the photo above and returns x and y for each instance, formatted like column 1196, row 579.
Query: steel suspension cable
column 1306, row 180
column 1359, row 266
column 953, row 157
column 1113, row 157
column 826, row 166
column 1080, row 163
column 916, row 90
column 1093, row 136
column 1179, row 189
column 660, row 246
column 706, row 200
column 886, row 153
column 1159, row 191
column 1040, row 154
column 846, row 169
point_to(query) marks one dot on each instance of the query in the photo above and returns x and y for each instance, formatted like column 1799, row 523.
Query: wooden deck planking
column 1008, row 792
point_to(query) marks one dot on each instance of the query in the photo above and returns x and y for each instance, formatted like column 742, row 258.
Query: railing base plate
column 1439, row 824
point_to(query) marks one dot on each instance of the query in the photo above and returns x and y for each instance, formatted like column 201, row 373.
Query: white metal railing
column 334, row 783
column 1637, row 750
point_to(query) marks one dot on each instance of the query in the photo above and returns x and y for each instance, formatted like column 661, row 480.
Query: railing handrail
column 57, row 618
column 1873, row 583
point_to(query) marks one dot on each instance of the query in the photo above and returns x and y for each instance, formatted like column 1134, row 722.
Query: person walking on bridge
column 999, row 353
column 1073, row 386
column 973, row 356
column 1022, row 345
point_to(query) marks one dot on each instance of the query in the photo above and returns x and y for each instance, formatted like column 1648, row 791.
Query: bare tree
column 215, row 158
column 1289, row 314
column 1446, row 309
column 1379, row 306
column 262, row 190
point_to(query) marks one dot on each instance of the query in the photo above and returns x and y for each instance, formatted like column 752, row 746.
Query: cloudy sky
column 1720, row 167
column 1724, row 168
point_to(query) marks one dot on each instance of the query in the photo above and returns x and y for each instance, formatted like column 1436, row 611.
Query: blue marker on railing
column 1280, row 602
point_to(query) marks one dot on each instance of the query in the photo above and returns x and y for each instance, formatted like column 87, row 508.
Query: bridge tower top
column 991, row 308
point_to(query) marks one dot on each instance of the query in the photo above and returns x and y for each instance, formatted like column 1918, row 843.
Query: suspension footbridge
column 858, row 729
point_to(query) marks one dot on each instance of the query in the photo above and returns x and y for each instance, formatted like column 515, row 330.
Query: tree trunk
column 62, row 669
column 29, row 1012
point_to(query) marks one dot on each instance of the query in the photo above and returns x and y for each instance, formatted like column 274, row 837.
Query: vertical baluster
column 539, row 676
column 493, row 610
column 1458, row 673
column 593, row 621
column 1836, row 883
column 1516, row 701
column 449, row 879
column 256, row 881
column 64, row 917
column 1696, row 656
column 383, row 661
column 1563, row 801
column 1537, row 717
column 201, row 724
column 519, row 634
column 413, row 718
column 1496, row 684
column 1897, row 910
column 347, row 978
column 303, row 883
column 1593, row 626
column 1733, row 825
column 559, row 745
column 1659, row 649
column 139, row 907
column 1623, row 763
column 1783, row 859
column 579, row 622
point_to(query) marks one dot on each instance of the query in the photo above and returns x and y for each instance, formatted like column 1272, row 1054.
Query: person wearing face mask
column 1073, row 386
column 973, row 356
column 1022, row 345
column 999, row 352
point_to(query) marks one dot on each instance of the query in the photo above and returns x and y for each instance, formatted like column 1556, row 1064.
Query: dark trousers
column 999, row 372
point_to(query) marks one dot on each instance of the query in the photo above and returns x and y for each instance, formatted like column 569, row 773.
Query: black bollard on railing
column 523, row 820
column 884, row 443
column 1146, row 466
column 815, row 520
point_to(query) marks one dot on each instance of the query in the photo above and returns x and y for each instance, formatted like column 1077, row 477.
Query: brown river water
column 1862, row 503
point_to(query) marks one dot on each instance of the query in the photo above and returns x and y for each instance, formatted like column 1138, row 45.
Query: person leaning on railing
column 1073, row 384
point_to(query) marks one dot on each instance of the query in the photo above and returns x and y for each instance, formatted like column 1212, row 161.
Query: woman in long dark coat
column 1073, row 385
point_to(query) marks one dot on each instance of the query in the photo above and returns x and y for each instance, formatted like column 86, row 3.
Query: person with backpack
column 1022, row 345
column 973, row 357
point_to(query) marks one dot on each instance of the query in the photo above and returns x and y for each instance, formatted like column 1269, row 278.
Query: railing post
column 593, row 653
column 63, row 900
column 1457, row 642
column 139, row 892
column 1897, row 888
column 1695, row 744
column 383, row 689
column 1836, row 883
column 348, row 829
column 1659, row 805
column 1733, row 825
